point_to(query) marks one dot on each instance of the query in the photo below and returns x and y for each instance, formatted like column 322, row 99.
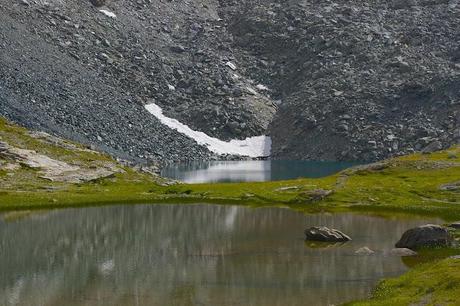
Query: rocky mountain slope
column 356, row 79
column 337, row 80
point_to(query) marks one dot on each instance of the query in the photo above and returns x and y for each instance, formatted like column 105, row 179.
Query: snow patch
column 258, row 146
column 262, row 87
column 108, row 13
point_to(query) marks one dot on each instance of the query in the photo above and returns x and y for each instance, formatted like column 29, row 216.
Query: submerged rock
column 322, row 233
column 425, row 236
column 364, row 251
column 403, row 252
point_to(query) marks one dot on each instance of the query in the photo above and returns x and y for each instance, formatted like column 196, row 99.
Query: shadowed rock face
column 425, row 236
column 98, row 3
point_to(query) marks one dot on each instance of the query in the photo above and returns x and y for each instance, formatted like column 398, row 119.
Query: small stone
column 364, row 251
column 403, row 252
column 178, row 49
column 450, row 186
column 230, row 65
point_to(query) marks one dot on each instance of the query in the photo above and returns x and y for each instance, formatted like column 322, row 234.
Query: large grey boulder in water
column 425, row 236
column 322, row 233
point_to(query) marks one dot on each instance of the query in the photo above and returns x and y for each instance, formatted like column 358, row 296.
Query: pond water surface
column 191, row 255
column 251, row 170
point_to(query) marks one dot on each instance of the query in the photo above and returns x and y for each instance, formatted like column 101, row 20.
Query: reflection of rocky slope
column 355, row 80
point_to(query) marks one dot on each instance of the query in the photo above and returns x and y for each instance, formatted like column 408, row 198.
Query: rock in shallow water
column 403, row 252
column 425, row 236
column 364, row 251
column 322, row 233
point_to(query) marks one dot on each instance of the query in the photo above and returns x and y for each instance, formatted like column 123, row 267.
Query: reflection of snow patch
column 257, row 146
column 108, row 13
column 14, row 293
column 230, row 217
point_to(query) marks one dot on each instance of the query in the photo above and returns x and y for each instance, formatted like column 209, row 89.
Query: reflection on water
column 190, row 255
column 251, row 170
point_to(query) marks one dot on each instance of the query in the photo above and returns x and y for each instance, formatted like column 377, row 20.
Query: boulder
column 455, row 225
column 322, row 233
column 432, row 147
column 425, row 236
column 402, row 252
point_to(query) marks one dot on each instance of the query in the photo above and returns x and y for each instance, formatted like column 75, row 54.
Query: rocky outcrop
column 425, row 236
column 53, row 169
column 324, row 234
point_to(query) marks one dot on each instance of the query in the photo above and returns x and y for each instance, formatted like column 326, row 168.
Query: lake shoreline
column 417, row 184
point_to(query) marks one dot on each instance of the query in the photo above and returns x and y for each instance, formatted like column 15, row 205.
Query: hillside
column 327, row 80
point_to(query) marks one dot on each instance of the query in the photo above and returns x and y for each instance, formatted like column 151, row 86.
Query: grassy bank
column 426, row 184
column 436, row 283
column 410, row 184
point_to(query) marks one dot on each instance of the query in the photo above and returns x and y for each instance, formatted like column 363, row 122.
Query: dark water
column 253, row 170
column 190, row 255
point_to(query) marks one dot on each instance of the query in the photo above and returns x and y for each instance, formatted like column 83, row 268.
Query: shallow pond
column 251, row 170
column 190, row 255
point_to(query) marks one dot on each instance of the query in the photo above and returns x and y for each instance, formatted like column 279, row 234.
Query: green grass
column 405, row 185
column 428, row 284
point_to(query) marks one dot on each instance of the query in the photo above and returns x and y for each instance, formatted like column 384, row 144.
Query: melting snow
column 108, row 13
column 257, row 146
column 262, row 87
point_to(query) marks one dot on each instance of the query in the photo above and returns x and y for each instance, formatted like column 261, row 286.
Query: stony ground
column 336, row 80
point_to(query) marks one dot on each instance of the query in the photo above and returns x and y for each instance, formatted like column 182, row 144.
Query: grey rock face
column 325, row 234
column 86, row 76
column 347, row 80
column 425, row 236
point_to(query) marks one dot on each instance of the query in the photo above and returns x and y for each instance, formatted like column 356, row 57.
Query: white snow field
column 258, row 146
